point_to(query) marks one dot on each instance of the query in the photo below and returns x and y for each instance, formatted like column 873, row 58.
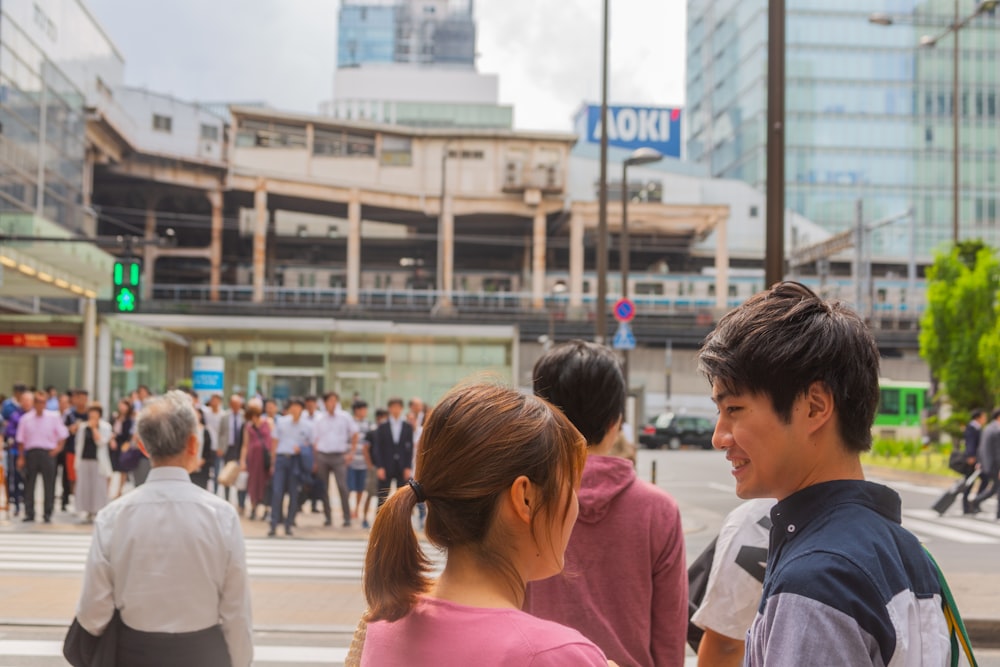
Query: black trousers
column 39, row 462
column 967, row 503
column 990, row 489
column 385, row 484
column 67, row 485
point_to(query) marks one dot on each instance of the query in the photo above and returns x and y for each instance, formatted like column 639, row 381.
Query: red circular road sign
column 624, row 310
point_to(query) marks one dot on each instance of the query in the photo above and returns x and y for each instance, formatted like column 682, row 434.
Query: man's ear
column 819, row 405
column 192, row 446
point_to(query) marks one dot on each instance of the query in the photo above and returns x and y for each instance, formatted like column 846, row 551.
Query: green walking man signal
column 126, row 280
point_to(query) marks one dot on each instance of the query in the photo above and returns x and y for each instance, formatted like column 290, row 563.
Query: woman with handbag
column 499, row 471
column 255, row 456
column 124, row 421
column 93, row 463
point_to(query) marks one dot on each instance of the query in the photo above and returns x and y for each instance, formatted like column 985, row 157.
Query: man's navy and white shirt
column 846, row 584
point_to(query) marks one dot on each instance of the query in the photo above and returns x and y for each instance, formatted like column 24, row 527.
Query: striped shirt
column 846, row 582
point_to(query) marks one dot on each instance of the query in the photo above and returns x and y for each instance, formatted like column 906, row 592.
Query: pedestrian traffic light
column 126, row 282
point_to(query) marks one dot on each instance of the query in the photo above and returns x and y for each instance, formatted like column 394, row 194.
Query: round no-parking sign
column 624, row 310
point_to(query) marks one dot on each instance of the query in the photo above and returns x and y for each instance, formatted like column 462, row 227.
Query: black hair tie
column 418, row 490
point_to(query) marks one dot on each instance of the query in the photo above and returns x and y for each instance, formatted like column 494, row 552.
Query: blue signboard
column 208, row 375
column 637, row 127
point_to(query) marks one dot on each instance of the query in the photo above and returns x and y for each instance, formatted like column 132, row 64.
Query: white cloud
column 547, row 52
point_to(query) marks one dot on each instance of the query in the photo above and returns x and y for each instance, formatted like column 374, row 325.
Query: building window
column 397, row 151
column 262, row 134
column 466, row 155
column 162, row 123
column 210, row 132
column 331, row 143
column 754, row 211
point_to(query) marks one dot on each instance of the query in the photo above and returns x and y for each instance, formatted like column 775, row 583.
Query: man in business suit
column 392, row 452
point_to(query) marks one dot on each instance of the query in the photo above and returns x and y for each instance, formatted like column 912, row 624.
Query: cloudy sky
column 283, row 52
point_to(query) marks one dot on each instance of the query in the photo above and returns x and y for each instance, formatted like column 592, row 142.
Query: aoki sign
column 635, row 127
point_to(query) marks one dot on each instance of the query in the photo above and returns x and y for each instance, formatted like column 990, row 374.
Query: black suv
column 676, row 430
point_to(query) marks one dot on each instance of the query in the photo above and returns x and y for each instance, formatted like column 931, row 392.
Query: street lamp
column 638, row 157
column 929, row 41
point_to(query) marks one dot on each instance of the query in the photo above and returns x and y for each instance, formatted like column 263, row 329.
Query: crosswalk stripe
column 331, row 559
column 964, row 523
column 24, row 648
column 922, row 527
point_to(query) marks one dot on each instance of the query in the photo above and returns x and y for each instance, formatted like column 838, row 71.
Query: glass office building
column 869, row 112
column 425, row 32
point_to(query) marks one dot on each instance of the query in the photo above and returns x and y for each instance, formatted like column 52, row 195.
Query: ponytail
column 395, row 566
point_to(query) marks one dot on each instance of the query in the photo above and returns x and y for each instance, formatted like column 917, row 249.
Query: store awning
column 53, row 268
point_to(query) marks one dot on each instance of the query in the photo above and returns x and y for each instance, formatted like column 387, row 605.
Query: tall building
column 413, row 62
column 424, row 32
column 869, row 112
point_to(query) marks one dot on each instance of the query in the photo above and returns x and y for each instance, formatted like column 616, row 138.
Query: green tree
column 959, row 333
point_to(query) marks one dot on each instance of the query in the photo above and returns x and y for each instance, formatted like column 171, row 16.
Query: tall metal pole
column 774, row 259
column 859, row 257
column 623, row 257
column 955, row 92
column 601, row 314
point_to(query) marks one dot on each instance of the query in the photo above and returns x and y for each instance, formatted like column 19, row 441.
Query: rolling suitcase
column 948, row 499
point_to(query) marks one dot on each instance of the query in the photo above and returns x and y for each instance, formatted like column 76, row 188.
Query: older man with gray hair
column 167, row 564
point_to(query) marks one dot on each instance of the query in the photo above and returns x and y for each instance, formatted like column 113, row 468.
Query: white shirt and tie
column 171, row 557
column 396, row 426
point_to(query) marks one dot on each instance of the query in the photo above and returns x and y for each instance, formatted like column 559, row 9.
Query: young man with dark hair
column 76, row 418
column 392, row 450
column 625, row 584
column 796, row 382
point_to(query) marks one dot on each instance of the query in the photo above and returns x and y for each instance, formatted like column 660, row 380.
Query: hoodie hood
column 604, row 479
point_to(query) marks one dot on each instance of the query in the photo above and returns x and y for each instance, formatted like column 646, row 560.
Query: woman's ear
column 521, row 497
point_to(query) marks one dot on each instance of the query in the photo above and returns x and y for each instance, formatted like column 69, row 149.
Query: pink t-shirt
column 446, row 634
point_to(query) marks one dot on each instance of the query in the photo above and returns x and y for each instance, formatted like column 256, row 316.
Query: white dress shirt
column 334, row 432
column 396, row 428
column 170, row 556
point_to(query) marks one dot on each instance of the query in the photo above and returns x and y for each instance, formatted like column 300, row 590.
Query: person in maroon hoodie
column 625, row 583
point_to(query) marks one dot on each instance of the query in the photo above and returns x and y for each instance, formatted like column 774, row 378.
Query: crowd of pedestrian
column 66, row 438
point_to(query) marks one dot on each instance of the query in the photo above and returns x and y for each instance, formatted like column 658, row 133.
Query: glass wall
column 52, row 54
column 374, row 366
column 869, row 112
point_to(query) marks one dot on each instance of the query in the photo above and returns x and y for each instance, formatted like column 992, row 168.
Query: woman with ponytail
column 499, row 472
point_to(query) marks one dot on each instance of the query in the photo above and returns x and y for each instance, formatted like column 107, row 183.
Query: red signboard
column 128, row 359
column 36, row 340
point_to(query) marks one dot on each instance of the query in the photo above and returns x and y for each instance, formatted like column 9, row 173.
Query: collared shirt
column 213, row 420
column 333, row 433
column 171, row 557
column 396, row 426
column 291, row 434
column 845, row 579
column 43, row 431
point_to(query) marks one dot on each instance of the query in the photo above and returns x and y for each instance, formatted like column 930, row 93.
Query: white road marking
column 285, row 655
